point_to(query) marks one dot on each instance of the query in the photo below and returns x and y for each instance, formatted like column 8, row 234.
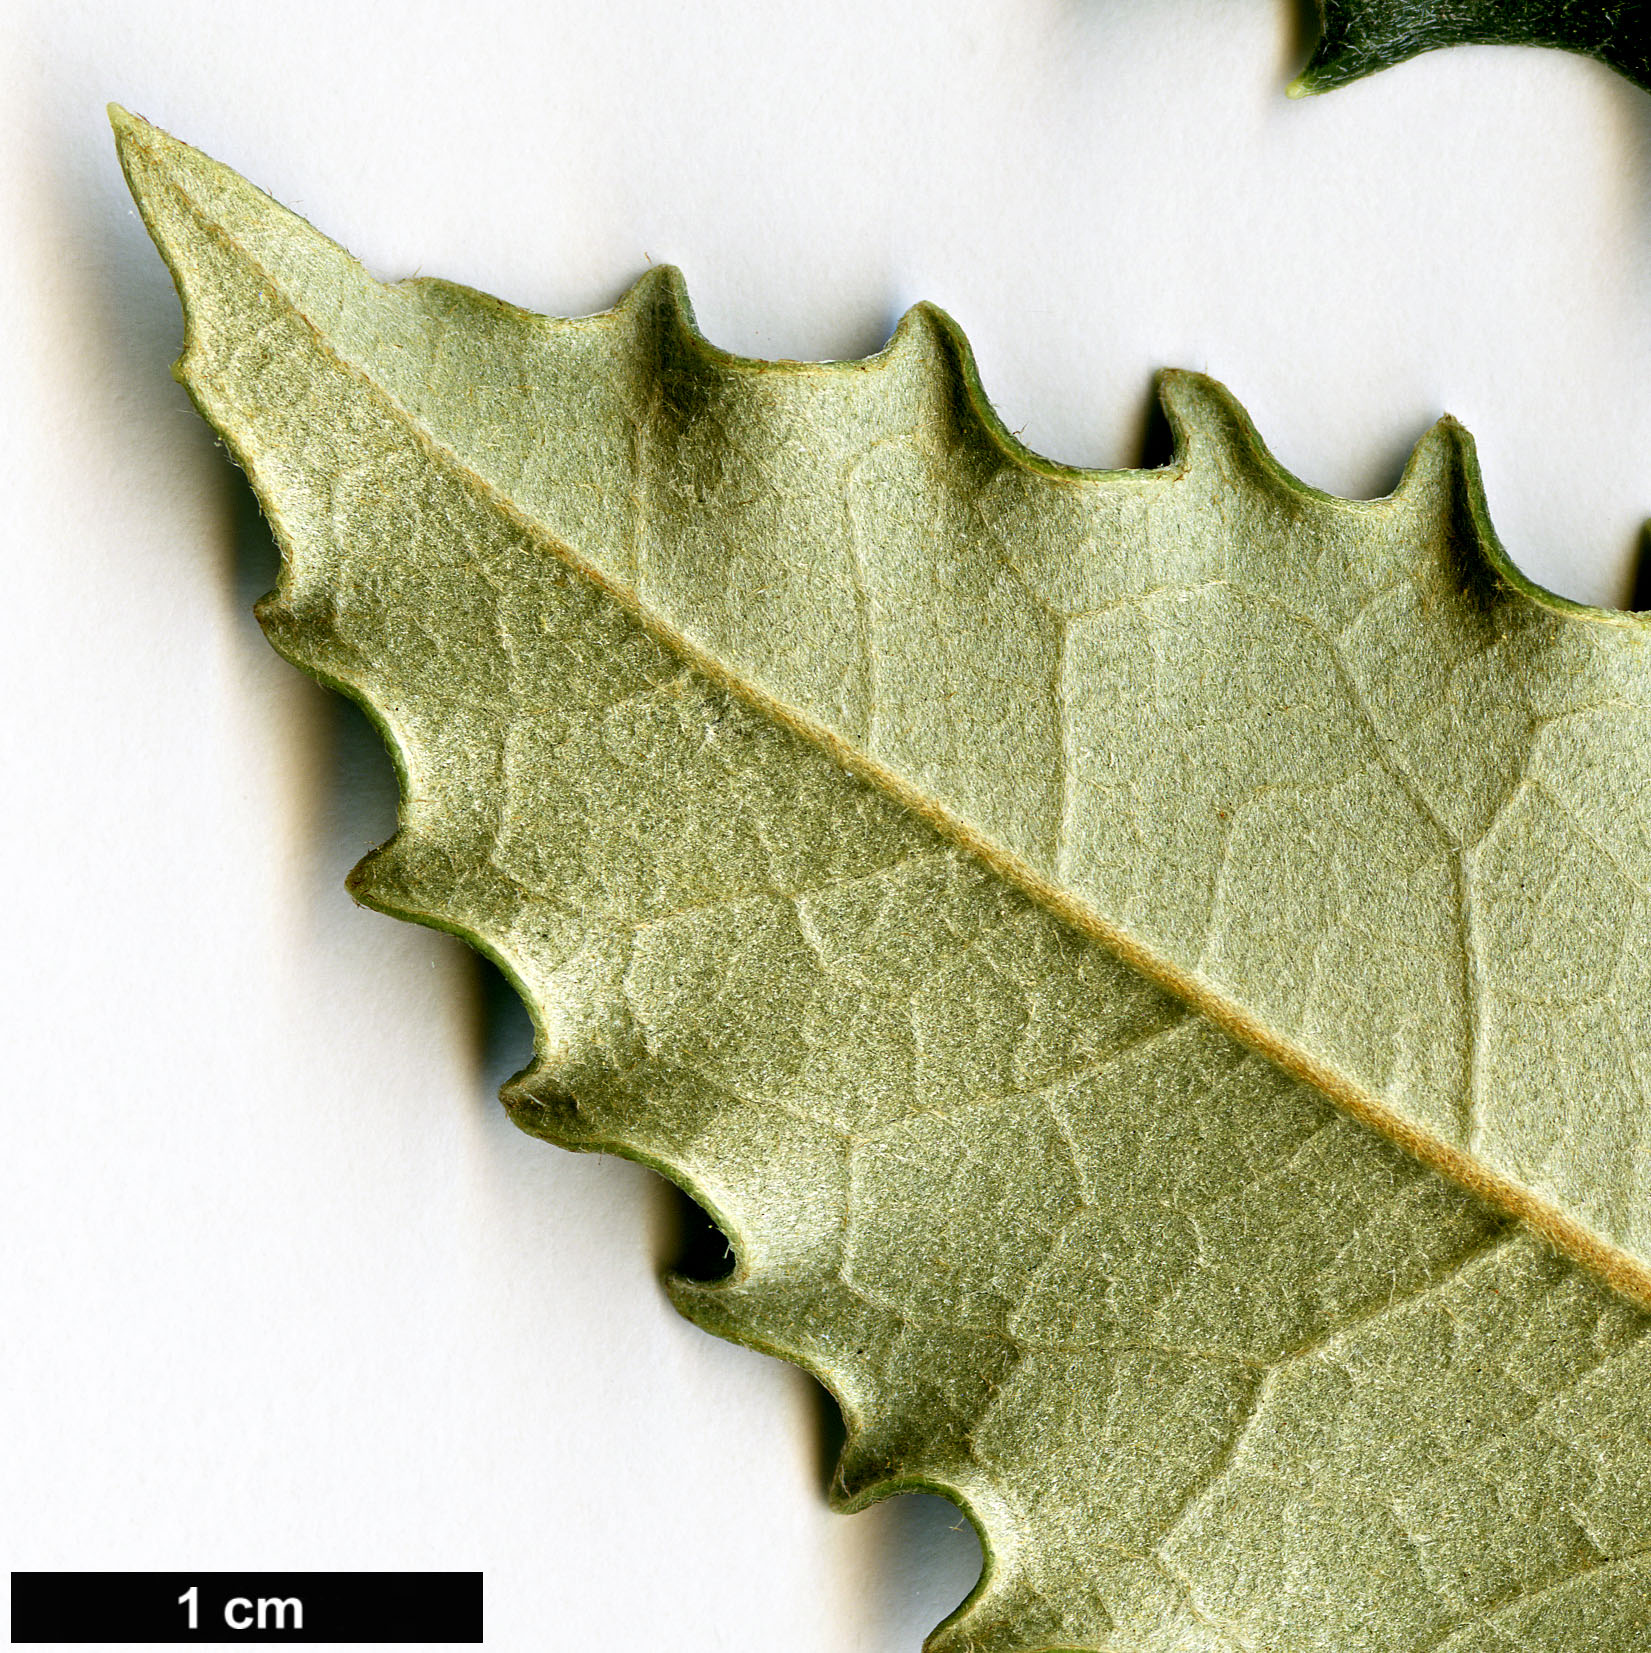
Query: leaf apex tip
column 131, row 129
column 125, row 121
column 147, row 153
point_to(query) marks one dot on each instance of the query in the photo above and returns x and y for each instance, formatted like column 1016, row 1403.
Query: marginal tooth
column 407, row 878
column 537, row 1107
column 1008, row 1613
column 1212, row 431
column 715, row 1306
column 890, row 1454
column 658, row 303
column 1437, row 463
column 1443, row 488
column 274, row 613
column 303, row 632
column 919, row 341
column 765, row 1311
column 379, row 879
column 871, row 1464
column 929, row 372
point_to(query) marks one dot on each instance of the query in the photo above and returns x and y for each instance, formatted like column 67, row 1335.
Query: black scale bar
column 125, row 1608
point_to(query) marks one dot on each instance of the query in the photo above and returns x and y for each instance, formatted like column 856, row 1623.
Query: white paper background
column 282, row 1288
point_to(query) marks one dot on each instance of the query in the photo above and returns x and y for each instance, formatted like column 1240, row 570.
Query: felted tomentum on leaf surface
column 1362, row 36
column 1134, row 961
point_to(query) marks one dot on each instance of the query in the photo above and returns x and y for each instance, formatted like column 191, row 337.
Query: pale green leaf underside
column 790, row 739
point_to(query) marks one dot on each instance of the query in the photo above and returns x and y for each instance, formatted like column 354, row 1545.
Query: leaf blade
column 721, row 467
column 820, row 1015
